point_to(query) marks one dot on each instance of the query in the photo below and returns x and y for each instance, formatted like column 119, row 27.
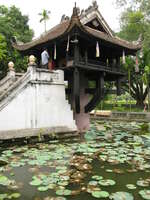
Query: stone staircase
column 9, row 80
column 34, row 102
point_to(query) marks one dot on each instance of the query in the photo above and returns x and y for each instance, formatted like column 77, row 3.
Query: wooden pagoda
column 85, row 47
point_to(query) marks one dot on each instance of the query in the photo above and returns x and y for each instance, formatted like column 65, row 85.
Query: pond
column 112, row 161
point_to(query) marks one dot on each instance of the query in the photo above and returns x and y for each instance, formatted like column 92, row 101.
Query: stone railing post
column 11, row 72
column 32, row 67
column 32, row 63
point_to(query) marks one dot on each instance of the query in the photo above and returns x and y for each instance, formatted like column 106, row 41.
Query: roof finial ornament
column 75, row 10
column 95, row 5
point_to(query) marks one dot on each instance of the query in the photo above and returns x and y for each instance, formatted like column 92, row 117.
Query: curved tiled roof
column 50, row 35
column 114, row 40
column 66, row 26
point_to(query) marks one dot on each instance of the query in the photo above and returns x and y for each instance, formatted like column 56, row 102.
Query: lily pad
column 43, row 188
column 100, row 194
column 145, row 194
column 131, row 186
column 64, row 192
column 15, row 195
column 3, row 196
column 107, row 182
column 121, row 196
column 96, row 177
column 142, row 183
column 36, row 182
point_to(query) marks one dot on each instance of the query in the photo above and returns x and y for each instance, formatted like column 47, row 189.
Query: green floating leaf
column 36, row 182
column 43, row 188
column 145, row 194
column 100, row 194
column 121, row 196
column 96, row 177
column 64, row 192
column 15, row 195
column 3, row 196
column 107, row 182
column 131, row 186
column 93, row 183
column 142, row 183
column 4, row 180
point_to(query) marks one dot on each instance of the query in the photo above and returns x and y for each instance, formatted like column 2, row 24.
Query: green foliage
column 134, row 22
column 146, row 75
column 3, row 50
column 3, row 54
column 13, row 23
column 132, row 25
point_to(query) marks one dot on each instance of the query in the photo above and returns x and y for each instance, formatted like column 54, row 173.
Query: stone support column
column 83, row 119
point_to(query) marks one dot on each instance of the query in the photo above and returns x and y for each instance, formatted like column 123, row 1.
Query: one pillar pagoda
column 85, row 47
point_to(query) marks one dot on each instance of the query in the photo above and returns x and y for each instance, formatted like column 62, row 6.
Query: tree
column 133, row 23
column 13, row 23
column 3, row 54
column 146, row 80
column 134, row 82
column 45, row 16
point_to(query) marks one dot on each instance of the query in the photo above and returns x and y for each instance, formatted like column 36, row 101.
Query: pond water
column 112, row 161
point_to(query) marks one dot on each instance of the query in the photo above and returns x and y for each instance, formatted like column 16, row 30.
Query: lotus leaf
column 15, row 195
column 107, row 182
column 100, row 194
column 96, row 177
column 64, row 192
column 4, row 180
column 131, row 186
column 3, row 196
column 121, row 196
column 36, row 182
column 145, row 194
column 43, row 188
column 93, row 183
column 142, row 183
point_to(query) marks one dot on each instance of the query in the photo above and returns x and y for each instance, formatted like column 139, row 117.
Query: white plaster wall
column 38, row 105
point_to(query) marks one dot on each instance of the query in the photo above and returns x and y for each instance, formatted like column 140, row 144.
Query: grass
column 119, row 106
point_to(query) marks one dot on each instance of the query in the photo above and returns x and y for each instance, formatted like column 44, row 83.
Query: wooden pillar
column 111, row 62
column 86, row 56
column 118, row 84
column 76, row 89
column 76, row 50
column 118, row 62
column 101, row 83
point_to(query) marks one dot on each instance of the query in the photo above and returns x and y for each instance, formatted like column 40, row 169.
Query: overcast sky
column 60, row 7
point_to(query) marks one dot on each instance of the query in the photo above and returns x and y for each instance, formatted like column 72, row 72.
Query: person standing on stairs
column 44, row 59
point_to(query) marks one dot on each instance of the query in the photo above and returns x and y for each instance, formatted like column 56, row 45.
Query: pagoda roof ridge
column 66, row 26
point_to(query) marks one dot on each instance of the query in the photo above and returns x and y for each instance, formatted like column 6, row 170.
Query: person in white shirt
column 44, row 59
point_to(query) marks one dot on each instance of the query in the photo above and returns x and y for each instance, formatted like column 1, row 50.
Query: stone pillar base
column 83, row 119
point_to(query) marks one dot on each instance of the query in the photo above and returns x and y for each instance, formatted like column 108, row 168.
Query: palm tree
column 44, row 17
